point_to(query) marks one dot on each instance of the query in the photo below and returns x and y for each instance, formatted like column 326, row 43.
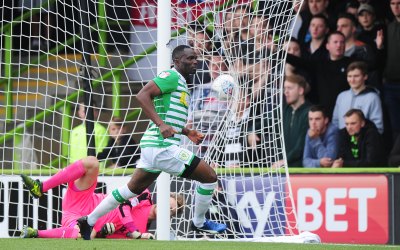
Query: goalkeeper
column 130, row 220
column 165, row 100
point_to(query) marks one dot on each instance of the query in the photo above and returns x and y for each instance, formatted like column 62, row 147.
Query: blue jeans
column 391, row 96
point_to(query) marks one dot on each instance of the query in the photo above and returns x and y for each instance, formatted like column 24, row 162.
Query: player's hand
column 195, row 136
column 147, row 236
column 136, row 235
column 107, row 229
column 167, row 131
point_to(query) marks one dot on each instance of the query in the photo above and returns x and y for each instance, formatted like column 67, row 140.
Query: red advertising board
column 145, row 11
column 342, row 208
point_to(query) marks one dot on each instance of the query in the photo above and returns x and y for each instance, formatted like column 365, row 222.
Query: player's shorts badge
column 183, row 155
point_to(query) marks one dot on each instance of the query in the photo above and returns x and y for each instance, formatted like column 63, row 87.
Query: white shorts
column 171, row 160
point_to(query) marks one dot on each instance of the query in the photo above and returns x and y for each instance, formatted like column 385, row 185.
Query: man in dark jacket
column 360, row 144
column 295, row 118
column 329, row 74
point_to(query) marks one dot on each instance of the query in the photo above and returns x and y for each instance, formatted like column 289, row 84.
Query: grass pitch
column 100, row 244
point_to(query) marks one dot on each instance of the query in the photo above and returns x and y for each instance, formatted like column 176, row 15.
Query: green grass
column 99, row 244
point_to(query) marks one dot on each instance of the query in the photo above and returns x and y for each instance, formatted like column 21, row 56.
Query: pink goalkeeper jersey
column 77, row 203
column 140, row 217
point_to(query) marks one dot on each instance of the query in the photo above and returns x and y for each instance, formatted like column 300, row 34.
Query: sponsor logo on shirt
column 184, row 99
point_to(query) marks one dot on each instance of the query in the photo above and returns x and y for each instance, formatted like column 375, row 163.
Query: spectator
column 260, row 43
column 382, row 10
column 235, row 21
column 360, row 144
column 121, row 149
column 234, row 145
column 321, row 144
column 369, row 26
column 371, row 33
column 352, row 7
column 78, row 149
column 356, row 49
column 295, row 120
column 201, row 95
column 329, row 73
column 392, row 70
column 359, row 96
column 293, row 48
column 315, row 7
column 200, row 39
column 298, row 6
column 394, row 157
column 318, row 30
column 206, row 110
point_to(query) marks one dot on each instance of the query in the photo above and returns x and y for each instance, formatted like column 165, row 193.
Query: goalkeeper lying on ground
column 129, row 220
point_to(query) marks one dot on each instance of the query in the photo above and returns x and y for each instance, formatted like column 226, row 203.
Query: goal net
column 62, row 56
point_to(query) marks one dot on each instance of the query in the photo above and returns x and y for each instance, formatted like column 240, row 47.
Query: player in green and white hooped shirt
column 165, row 100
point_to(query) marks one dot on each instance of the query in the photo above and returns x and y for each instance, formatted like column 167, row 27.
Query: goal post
column 41, row 121
column 163, row 63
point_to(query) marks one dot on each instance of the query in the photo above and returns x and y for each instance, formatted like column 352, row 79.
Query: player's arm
column 126, row 216
column 145, row 98
column 194, row 135
column 128, row 221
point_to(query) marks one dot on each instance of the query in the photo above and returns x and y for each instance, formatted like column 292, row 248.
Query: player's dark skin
column 185, row 63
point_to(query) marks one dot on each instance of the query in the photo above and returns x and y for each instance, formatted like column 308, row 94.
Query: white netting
column 45, row 57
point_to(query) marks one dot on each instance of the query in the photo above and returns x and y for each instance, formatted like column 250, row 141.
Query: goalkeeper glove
column 107, row 229
column 140, row 236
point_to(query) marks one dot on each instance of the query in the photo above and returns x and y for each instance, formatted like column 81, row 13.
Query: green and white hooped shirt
column 172, row 106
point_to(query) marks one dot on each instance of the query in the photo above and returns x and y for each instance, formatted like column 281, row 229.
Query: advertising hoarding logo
column 343, row 208
column 258, row 214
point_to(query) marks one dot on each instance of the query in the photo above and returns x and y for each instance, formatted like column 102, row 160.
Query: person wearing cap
column 369, row 27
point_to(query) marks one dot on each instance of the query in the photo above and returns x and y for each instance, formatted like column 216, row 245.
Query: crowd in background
column 348, row 51
column 341, row 87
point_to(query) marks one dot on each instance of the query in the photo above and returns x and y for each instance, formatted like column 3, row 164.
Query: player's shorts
column 172, row 159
